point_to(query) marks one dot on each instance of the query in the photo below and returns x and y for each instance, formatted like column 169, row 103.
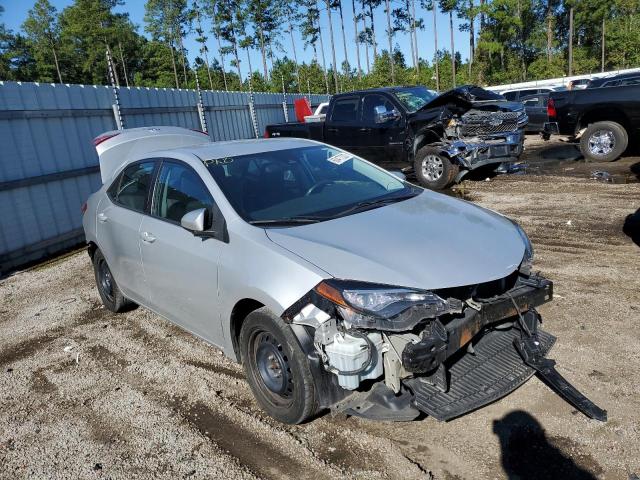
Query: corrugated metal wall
column 48, row 165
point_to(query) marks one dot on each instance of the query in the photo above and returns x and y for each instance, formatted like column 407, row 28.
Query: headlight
column 527, row 259
column 383, row 307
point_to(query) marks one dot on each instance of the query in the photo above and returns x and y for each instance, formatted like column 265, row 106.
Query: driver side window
column 179, row 190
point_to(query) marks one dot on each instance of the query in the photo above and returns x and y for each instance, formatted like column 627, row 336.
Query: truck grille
column 477, row 123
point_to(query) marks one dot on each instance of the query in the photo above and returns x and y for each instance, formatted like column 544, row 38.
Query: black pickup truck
column 441, row 136
column 601, row 119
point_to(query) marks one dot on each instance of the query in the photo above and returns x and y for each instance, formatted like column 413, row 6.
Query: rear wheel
column 276, row 367
column 433, row 169
column 110, row 293
column 603, row 141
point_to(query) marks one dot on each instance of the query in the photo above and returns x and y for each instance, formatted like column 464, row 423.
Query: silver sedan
column 337, row 284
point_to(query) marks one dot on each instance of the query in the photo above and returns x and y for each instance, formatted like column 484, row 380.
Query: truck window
column 630, row 81
column 369, row 107
column 511, row 96
column 345, row 110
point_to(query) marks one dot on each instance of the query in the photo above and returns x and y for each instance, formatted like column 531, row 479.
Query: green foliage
column 519, row 40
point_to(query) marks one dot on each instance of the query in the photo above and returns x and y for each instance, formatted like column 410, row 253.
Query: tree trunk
column 413, row 50
column 434, row 9
column 414, row 35
column 55, row 60
column 113, row 66
column 571, row 41
column 366, row 43
column 355, row 36
column 390, row 37
column 324, row 62
column 183, row 58
column 264, row 54
column 295, row 57
column 173, row 62
column 603, row 45
column 124, row 67
column 453, row 50
column 333, row 46
column 482, row 17
column 237, row 57
column 344, row 37
column 224, row 74
column 472, row 36
column 549, row 30
column 250, row 71
column 373, row 34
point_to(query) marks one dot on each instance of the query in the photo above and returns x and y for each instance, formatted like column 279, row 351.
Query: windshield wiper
column 376, row 202
column 287, row 221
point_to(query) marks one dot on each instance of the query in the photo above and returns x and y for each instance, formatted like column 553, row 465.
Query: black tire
column 603, row 141
column 277, row 369
column 112, row 297
column 433, row 169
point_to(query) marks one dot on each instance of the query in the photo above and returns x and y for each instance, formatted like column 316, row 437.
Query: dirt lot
column 88, row 394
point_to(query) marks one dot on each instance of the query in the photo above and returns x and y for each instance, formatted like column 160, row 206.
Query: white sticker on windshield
column 340, row 158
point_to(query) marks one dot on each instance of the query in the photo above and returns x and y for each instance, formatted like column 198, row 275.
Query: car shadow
column 527, row 453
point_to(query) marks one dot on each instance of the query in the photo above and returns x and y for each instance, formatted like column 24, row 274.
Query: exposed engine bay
column 443, row 353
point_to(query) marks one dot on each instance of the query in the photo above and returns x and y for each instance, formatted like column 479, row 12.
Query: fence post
column 200, row 104
column 284, row 101
column 117, row 114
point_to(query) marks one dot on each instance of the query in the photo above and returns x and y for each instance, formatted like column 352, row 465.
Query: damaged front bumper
column 444, row 365
column 476, row 152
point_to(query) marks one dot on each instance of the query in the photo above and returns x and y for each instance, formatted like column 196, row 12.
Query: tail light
column 83, row 208
column 103, row 138
column 551, row 108
column 266, row 133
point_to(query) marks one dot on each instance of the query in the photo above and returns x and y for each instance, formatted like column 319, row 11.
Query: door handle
column 102, row 217
column 332, row 130
column 147, row 237
column 364, row 129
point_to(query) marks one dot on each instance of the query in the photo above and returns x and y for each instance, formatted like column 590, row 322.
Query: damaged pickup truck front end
column 462, row 130
column 389, row 353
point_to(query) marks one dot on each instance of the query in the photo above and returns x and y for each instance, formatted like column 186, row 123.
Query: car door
column 536, row 108
column 343, row 123
column 118, row 226
column 181, row 269
column 380, row 139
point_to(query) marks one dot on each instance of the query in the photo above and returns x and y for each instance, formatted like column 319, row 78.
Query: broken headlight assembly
column 383, row 307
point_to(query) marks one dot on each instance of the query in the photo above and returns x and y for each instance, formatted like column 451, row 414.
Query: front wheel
column 276, row 367
column 603, row 142
column 433, row 169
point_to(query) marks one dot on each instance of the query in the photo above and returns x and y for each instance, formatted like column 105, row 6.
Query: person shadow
column 526, row 453
column 631, row 227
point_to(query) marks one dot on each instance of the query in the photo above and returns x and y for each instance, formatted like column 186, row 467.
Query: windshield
column 414, row 98
column 305, row 184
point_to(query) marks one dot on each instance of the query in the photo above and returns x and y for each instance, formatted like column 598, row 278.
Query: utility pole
column 571, row 41
column 603, row 31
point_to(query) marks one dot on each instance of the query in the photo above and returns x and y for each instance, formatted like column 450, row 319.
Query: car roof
column 233, row 148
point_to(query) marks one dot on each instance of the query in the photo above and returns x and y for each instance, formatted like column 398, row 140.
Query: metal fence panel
column 48, row 165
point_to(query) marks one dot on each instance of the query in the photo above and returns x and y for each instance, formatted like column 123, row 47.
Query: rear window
column 345, row 110
column 131, row 188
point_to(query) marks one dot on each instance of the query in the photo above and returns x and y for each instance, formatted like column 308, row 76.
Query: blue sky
column 16, row 12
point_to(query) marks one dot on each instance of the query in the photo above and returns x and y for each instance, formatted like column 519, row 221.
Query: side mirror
column 398, row 174
column 194, row 220
column 383, row 116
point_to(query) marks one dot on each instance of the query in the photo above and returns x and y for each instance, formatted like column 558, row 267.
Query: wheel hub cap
column 272, row 365
column 106, row 281
column 432, row 167
column 601, row 143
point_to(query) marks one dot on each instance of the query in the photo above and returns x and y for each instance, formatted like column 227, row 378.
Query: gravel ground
column 88, row 394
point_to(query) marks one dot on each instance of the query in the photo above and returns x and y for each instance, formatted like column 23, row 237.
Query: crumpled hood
column 465, row 95
column 430, row 241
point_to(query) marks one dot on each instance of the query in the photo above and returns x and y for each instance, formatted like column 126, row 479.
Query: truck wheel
column 433, row 169
column 603, row 141
column 110, row 294
column 276, row 367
